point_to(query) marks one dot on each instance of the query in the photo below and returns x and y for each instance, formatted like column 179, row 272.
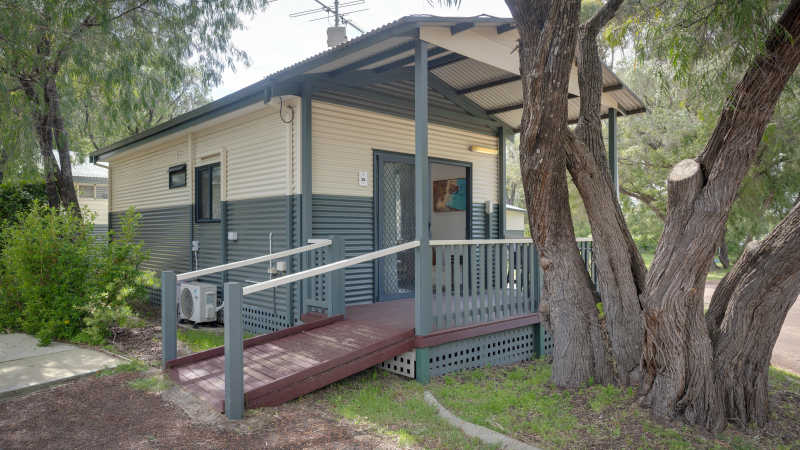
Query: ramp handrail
column 328, row 268
column 313, row 245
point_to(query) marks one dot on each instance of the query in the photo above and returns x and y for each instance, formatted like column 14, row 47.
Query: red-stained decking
column 286, row 364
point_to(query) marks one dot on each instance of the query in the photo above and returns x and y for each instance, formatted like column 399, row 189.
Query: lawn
column 716, row 275
column 520, row 401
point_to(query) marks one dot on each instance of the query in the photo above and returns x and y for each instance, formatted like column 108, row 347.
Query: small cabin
column 515, row 221
column 392, row 144
column 91, row 185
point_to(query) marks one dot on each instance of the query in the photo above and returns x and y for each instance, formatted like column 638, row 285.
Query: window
column 209, row 179
column 101, row 191
column 86, row 190
column 177, row 176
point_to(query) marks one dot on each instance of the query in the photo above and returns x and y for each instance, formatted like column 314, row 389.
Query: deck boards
column 277, row 368
column 285, row 364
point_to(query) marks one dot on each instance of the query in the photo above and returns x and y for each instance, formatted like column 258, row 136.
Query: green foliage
column 199, row 340
column 60, row 281
column 154, row 384
column 134, row 365
column 19, row 197
column 109, row 68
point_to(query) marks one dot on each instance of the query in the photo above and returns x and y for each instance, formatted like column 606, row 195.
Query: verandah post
column 169, row 318
column 337, row 291
column 234, row 351
column 422, row 259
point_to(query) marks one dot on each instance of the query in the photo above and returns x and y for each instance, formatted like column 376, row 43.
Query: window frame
column 197, row 170
column 178, row 168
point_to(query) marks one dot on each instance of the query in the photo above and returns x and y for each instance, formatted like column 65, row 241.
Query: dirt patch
column 142, row 343
column 100, row 413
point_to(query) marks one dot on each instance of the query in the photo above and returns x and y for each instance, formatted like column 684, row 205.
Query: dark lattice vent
column 504, row 347
column 154, row 296
column 547, row 341
column 263, row 320
column 403, row 364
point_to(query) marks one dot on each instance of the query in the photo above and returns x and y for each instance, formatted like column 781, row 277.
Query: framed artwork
column 450, row 195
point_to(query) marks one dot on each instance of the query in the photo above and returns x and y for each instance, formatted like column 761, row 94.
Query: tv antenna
column 337, row 16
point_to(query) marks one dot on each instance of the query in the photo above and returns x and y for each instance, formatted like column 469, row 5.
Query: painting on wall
column 450, row 195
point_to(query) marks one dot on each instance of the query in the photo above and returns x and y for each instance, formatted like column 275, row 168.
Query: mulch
column 102, row 413
column 138, row 343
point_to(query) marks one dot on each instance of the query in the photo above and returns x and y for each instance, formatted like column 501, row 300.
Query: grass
column 132, row 366
column 199, row 340
column 712, row 276
column 154, row 384
column 394, row 406
column 519, row 400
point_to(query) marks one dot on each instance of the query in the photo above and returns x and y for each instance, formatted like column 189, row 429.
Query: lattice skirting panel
column 403, row 364
column 155, row 296
column 504, row 347
column 263, row 320
column 545, row 341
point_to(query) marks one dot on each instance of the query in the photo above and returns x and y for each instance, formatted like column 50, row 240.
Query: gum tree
column 58, row 59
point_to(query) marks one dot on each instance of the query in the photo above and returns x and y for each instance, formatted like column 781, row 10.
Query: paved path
column 26, row 367
column 786, row 353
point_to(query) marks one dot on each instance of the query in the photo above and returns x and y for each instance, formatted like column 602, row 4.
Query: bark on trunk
column 677, row 357
column 66, row 186
column 723, row 250
column 746, row 315
column 621, row 267
column 548, row 31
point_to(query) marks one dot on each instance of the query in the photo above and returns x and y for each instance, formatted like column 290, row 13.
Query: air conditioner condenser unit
column 198, row 302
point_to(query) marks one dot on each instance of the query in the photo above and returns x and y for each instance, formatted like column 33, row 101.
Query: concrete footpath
column 26, row 367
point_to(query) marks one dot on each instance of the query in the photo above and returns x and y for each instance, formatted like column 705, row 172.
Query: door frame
column 377, row 207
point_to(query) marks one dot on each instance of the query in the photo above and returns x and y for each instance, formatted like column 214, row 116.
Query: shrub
column 58, row 282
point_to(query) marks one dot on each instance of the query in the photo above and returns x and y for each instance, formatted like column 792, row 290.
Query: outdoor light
column 477, row 149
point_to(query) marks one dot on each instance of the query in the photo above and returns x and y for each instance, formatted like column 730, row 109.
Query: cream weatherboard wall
column 258, row 149
column 140, row 180
column 515, row 220
column 343, row 140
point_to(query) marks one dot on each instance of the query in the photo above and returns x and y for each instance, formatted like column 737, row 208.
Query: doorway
column 395, row 217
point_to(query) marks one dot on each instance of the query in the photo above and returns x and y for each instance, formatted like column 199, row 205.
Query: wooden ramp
column 286, row 364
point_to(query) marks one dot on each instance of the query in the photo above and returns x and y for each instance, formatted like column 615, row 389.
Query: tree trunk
column 677, row 356
column 723, row 250
column 548, row 31
column 66, row 186
column 622, row 272
column 746, row 315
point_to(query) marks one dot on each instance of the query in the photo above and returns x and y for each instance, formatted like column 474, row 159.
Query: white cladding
column 343, row 140
column 263, row 156
column 141, row 179
column 255, row 145
column 515, row 220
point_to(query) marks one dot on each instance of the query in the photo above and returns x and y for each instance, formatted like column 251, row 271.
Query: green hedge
column 56, row 282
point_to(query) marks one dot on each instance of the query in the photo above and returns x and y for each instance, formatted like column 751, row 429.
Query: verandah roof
column 472, row 63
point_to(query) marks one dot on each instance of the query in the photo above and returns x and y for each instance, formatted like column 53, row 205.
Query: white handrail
column 328, row 268
column 313, row 245
column 492, row 241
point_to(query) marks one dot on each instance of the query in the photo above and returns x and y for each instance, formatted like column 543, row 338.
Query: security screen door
column 395, row 224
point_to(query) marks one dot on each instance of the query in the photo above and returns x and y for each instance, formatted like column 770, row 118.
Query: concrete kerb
column 470, row 429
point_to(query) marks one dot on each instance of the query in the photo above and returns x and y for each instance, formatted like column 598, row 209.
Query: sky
column 273, row 40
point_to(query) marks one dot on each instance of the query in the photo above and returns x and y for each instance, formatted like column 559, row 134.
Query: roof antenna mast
column 336, row 33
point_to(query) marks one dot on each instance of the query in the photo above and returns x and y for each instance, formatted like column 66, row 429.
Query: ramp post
column 234, row 351
column 169, row 318
column 337, row 290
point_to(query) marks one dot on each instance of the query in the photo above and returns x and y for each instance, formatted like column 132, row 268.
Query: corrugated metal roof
column 459, row 75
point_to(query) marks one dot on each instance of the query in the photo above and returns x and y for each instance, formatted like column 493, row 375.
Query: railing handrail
column 313, row 245
column 328, row 268
column 492, row 241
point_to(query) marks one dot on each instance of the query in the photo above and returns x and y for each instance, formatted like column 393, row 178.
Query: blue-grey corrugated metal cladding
column 351, row 218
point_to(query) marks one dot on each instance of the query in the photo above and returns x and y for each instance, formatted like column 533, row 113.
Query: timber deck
column 283, row 365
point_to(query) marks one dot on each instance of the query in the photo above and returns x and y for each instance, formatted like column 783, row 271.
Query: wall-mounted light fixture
column 489, row 151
